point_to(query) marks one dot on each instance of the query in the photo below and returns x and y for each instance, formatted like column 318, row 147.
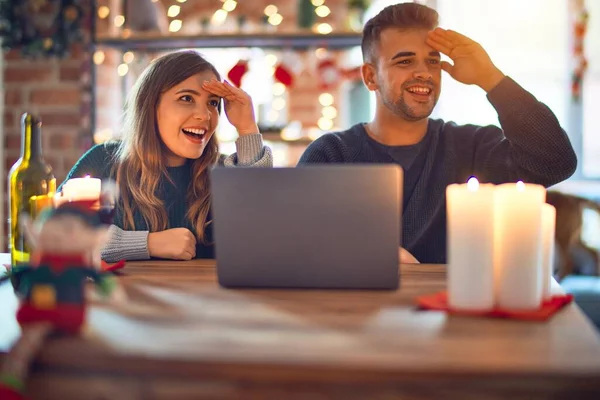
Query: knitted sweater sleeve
column 125, row 245
column 133, row 245
column 531, row 146
column 251, row 152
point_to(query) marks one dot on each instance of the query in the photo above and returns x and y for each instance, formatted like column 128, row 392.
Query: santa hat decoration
column 288, row 68
column 581, row 16
column 351, row 74
column 328, row 74
column 237, row 72
column 283, row 75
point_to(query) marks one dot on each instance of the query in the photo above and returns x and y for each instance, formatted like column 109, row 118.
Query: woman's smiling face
column 187, row 116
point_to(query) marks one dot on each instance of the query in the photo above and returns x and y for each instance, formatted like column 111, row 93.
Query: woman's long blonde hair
column 141, row 161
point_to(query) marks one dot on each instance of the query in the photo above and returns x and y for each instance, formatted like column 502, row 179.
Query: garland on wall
column 41, row 28
column 581, row 17
column 328, row 74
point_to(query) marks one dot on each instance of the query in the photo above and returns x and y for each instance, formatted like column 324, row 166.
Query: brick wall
column 108, row 85
column 59, row 91
column 109, row 96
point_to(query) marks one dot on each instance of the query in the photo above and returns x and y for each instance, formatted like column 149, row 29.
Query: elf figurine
column 51, row 288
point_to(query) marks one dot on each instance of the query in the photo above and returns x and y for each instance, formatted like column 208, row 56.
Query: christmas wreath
column 41, row 27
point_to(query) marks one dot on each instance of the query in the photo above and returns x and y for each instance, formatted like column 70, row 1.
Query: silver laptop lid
column 318, row 226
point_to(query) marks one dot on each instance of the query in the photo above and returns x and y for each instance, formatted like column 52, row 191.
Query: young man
column 401, row 49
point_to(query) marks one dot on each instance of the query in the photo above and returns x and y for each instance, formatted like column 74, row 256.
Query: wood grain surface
column 180, row 335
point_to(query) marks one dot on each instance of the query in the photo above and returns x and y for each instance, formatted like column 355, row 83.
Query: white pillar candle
column 82, row 189
column 518, row 214
column 548, row 230
column 470, row 209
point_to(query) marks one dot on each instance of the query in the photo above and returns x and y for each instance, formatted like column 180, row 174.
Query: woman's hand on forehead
column 237, row 104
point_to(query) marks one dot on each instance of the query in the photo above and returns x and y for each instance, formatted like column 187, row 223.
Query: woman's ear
column 369, row 76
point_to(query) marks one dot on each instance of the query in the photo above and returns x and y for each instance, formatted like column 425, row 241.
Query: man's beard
column 400, row 107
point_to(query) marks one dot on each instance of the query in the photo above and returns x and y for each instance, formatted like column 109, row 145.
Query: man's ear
column 368, row 72
column 27, row 228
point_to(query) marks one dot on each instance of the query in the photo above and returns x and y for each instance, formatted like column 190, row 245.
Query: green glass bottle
column 31, row 186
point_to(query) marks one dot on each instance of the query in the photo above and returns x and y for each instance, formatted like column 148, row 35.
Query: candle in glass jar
column 86, row 188
column 548, row 230
column 518, row 214
column 470, row 209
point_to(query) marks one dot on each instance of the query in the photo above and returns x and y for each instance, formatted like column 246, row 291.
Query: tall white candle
column 518, row 215
column 470, row 209
column 86, row 188
column 548, row 230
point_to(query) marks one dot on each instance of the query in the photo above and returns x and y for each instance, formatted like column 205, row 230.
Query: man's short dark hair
column 400, row 16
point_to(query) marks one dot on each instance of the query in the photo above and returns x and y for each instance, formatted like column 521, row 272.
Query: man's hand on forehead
column 472, row 65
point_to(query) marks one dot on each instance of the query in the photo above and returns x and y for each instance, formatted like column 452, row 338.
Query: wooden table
column 185, row 337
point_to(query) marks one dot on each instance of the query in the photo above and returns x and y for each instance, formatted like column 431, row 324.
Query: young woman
column 162, row 162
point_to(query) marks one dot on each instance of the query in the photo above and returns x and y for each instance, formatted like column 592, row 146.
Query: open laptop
column 317, row 226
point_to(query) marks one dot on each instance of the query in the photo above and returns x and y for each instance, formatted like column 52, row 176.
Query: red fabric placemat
column 439, row 301
column 106, row 267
